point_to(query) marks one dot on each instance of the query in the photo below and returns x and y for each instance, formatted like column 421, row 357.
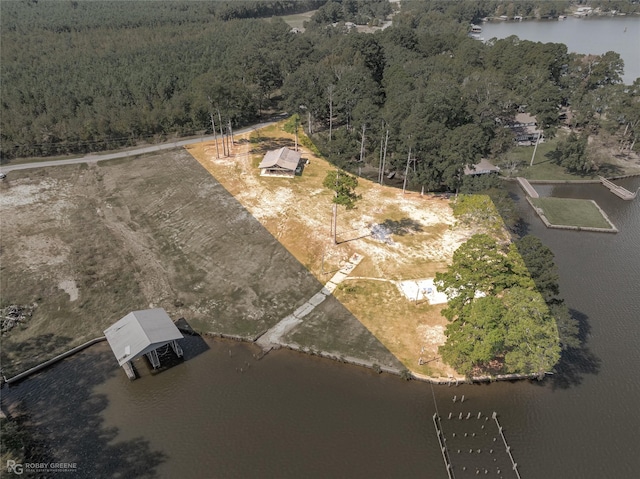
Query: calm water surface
column 222, row 413
column 595, row 35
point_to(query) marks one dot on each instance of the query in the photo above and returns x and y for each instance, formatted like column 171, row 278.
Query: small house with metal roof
column 282, row 162
column 484, row 167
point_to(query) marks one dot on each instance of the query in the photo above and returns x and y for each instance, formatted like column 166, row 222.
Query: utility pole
column 364, row 127
column 231, row 132
column 406, row 172
column 335, row 213
column 384, row 158
column 297, row 118
column 380, row 163
column 221, row 134
column 330, row 89
column 535, row 148
column 213, row 126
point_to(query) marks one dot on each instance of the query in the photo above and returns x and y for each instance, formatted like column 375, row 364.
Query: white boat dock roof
column 141, row 332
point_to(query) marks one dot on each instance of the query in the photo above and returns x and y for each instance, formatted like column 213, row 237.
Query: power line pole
column 535, row 148
column 364, row 127
column 406, row 172
column 213, row 126
column 380, row 163
column 231, row 132
column 221, row 134
column 384, row 158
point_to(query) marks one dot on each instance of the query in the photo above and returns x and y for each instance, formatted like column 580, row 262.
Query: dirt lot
column 84, row 245
column 421, row 238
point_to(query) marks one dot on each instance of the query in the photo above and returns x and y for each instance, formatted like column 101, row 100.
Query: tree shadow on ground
column 60, row 417
column 268, row 144
column 575, row 363
column 609, row 170
column 31, row 352
column 402, row 227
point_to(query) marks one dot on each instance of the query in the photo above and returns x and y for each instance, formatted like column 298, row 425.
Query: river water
column 223, row 413
column 594, row 35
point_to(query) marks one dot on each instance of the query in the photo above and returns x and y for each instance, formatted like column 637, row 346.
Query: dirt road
column 94, row 158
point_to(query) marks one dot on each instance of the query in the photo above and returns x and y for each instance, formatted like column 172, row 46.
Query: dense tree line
column 85, row 76
column 445, row 97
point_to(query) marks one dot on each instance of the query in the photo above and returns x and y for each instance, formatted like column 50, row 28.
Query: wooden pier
column 443, row 445
column 619, row 191
column 508, row 448
column 528, row 189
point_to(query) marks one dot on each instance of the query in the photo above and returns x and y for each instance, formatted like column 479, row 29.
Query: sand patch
column 69, row 286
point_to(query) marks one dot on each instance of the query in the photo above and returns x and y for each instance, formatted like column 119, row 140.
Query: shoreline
column 350, row 360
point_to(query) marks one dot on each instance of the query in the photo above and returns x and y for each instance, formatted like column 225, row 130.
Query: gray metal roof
column 140, row 332
column 284, row 158
column 482, row 168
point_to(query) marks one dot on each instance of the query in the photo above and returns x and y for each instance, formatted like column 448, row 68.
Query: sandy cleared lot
column 233, row 252
column 419, row 236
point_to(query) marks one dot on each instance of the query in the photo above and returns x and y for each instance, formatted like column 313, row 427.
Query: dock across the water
column 526, row 186
column 619, row 191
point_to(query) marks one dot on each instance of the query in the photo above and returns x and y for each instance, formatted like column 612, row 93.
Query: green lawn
column 543, row 168
column 572, row 212
column 297, row 20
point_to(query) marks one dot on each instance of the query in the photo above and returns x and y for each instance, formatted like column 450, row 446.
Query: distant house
column 485, row 167
column 282, row 162
column 525, row 129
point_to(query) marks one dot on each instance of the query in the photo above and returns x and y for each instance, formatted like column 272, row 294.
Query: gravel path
column 94, row 158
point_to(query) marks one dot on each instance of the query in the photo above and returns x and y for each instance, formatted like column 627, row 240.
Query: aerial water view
column 319, row 238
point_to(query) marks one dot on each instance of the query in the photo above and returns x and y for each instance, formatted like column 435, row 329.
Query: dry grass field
column 84, row 245
column 297, row 211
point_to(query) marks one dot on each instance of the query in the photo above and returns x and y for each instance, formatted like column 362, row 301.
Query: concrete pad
column 347, row 268
column 355, row 259
column 317, row 298
column 338, row 277
column 303, row 310
column 420, row 290
column 329, row 288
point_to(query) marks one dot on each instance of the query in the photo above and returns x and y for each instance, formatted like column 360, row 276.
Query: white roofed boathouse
column 282, row 162
column 142, row 333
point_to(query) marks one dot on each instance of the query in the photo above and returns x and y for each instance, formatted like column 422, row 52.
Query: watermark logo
column 48, row 467
column 15, row 467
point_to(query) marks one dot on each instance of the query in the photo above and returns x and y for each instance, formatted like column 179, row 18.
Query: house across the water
column 525, row 129
column 485, row 167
